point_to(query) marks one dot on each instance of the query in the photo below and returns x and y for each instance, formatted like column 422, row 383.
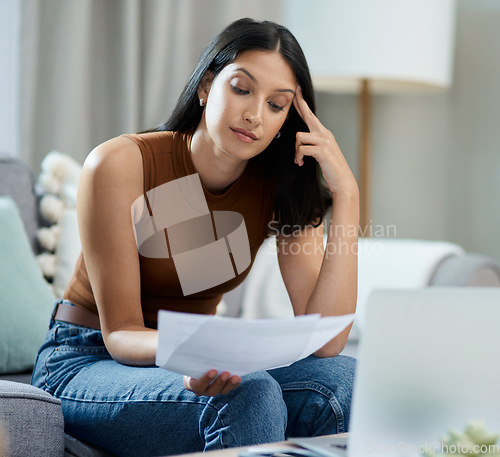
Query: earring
column 278, row 135
column 202, row 102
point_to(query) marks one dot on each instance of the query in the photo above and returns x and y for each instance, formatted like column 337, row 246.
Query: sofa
column 31, row 420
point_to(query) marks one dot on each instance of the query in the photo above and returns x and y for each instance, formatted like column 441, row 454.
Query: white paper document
column 193, row 344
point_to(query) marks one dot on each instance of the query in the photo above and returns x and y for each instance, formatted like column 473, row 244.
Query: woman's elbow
column 331, row 349
column 335, row 346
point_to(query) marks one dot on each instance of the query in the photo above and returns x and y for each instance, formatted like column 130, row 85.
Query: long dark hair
column 300, row 197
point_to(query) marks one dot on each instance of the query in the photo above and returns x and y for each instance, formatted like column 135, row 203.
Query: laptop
column 429, row 360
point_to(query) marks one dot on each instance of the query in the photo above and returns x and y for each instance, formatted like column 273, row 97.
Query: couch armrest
column 467, row 270
column 32, row 420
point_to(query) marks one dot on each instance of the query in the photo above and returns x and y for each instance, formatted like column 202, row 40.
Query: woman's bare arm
column 317, row 281
column 320, row 281
column 112, row 178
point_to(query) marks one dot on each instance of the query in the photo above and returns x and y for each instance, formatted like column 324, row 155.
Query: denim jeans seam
column 219, row 418
column 202, row 404
column 82, row 350
column 322, row 390
column 67, row 349
column 46, row 378
column 142, row 400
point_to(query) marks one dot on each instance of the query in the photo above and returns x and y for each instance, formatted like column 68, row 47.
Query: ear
column 205, row 85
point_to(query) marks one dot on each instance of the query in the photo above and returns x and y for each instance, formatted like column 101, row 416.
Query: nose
column 253, row 114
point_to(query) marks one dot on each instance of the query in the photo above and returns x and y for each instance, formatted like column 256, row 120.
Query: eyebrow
column 243, row 70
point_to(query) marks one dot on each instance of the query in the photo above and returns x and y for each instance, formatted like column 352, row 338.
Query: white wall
column 9, row 49
column 475, row 105
column 436, row 158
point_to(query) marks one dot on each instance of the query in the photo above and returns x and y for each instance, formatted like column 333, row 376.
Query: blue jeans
column 146, row 411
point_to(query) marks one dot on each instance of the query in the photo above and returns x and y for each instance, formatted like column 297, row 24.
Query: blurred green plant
column 475, row 440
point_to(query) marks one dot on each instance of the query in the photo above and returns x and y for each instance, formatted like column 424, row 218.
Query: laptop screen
column 429, row 360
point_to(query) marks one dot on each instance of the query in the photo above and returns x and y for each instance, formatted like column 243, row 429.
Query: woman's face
column 248, row 102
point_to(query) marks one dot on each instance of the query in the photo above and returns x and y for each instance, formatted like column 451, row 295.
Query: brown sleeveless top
column 166, row 156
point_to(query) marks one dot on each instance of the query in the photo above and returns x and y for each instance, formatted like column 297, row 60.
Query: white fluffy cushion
column 67, row 251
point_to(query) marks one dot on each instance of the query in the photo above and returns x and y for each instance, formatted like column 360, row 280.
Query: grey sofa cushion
column 17, row 180
column 32, row 420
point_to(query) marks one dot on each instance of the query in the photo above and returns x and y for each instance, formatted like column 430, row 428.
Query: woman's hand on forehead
column 320, row 143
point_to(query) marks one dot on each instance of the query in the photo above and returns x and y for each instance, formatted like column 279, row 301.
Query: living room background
column 84, row 71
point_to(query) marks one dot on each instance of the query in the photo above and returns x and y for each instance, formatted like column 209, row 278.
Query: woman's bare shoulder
column 116, row 161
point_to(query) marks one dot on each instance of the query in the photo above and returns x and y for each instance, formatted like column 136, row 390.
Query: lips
column 245, row 135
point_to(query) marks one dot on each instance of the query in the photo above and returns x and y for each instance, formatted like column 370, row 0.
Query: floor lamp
column 370, row 47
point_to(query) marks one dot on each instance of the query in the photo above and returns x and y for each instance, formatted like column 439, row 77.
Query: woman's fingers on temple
column 304, row 138
column 296, row 104
column 305, row 112
column 304, row 150
column 307, row 144
column 300, row 143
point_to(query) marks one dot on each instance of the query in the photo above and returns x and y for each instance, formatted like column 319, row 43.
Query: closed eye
column 276, row 107
column 239, row 91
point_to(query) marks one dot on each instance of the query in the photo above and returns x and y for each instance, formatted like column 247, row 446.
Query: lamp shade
column 399, row 45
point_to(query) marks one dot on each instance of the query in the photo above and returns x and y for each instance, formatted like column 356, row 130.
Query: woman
column 245, row 125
